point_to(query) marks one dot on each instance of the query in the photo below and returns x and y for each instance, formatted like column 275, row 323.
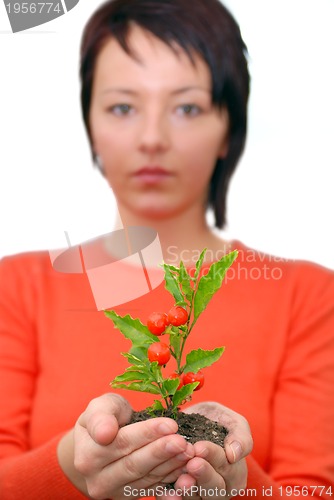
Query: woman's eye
column 189, row 110
column 120, row 109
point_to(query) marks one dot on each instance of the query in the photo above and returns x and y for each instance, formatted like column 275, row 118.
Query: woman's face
column 154, row 127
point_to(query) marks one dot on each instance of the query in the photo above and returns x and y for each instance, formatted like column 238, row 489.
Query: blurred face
column 154, row 127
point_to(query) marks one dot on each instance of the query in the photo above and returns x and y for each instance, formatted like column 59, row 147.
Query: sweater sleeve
column 36, row 474
column 302, row 447
column 24, row 473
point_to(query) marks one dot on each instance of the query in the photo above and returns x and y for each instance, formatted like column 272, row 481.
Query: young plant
column 148, row 356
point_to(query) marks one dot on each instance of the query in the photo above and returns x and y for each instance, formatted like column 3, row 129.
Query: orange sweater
column 57, row 352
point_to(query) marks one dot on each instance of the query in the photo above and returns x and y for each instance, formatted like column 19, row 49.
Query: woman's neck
column 182, row 237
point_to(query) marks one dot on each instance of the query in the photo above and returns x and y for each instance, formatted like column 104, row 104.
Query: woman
column 164, row 96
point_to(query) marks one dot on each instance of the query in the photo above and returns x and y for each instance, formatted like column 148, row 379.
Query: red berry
column 177, row 316
column 157, row 323
column 191, row 377
column 175, row 375
column 158, row 351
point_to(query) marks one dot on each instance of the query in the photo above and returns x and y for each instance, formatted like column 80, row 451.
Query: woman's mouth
column 151, row 175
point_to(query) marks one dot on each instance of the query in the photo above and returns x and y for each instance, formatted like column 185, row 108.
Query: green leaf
column 137, row 386
column 172, row 268
column 175, row 341
column 148, row 385
column 140, row 353
column 157, row 406
column 184, row 280
column 209, row 284
column 183, row 393
column 172, row 285
column 132, row 329
column 155, row 370
column 198, row 359
column 130, row 376
column 170, row 386
column 139, row 363
column 199, row 263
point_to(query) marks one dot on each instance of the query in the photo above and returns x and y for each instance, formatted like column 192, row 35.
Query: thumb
column 238, row 442
column 104, row 416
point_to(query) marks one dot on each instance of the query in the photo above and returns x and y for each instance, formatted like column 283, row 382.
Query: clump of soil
column 192, row 426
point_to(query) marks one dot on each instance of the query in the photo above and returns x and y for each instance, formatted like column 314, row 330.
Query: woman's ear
column 224, row 149
column 99, row 164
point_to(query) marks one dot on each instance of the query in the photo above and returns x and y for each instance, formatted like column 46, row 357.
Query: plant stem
column 179, row 361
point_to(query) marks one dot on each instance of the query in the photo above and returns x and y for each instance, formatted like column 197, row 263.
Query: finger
column 213, row 454
column 140, row 465
column 184, row 487
column 172, row 477
column 135, row 436
column 238, row 442
column 209, row 482
column 234, row 476
column 169, row 471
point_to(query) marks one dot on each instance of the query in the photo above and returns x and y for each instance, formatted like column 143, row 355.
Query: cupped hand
column 115, row 459
column 215, row 471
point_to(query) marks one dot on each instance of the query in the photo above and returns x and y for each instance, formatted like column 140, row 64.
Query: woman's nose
column 154, row 134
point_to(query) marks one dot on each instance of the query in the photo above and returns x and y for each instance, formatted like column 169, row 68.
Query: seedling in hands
column 149, row 357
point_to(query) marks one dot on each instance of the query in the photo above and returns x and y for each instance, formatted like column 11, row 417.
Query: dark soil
column 192, row 426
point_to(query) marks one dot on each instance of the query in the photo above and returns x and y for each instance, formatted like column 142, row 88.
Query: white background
column 281, row 197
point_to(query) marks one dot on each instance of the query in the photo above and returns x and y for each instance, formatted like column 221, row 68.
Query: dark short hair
column 205, row 27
